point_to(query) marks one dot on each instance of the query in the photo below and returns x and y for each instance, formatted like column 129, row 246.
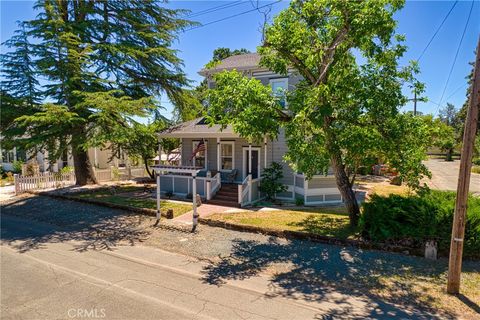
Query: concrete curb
column 298, row 235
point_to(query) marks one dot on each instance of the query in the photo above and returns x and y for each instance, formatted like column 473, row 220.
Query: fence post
column 129, row 173
column 16, row 182
column 209, row 191
column 111, row 173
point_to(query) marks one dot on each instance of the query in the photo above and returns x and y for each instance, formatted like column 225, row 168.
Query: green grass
column 331, row 222
column 476, row 169
column 124, row 198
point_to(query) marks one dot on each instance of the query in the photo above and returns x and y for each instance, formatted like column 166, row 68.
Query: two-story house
column 230, row 166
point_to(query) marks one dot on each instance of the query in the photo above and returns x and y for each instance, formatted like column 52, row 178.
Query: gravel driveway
column 396, row 285
column 445, row 175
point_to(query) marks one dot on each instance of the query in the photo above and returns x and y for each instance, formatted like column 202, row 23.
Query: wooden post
column 16, row 183
column 194, row 201
column 219, row 158
column 158, row 197
column 458, row 229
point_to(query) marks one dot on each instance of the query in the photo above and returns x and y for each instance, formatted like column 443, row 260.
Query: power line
column 456, row 54
column 217, row 8
column 438, row 29
column 233, row 16
column 456, row 90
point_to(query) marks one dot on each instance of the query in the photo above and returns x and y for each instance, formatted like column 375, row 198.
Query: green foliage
column 66, row 169
column 222, row 53
column 17, row 166
column 346, row 107
column 243, row 102
column 299, row 201
column 476, row 169
column 428, row 215
column 270, row 184
column 102, row 61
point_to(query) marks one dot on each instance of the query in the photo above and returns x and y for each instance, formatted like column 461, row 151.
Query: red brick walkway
column 204, row 211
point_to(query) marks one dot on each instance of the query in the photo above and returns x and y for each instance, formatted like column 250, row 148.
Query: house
column 230, row 166
column 101, row 159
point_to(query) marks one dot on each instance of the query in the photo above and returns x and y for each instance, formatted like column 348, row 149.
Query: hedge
column 416, row 218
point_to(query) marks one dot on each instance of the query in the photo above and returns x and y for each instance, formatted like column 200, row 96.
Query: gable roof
column 240, row 62
column 197, row 128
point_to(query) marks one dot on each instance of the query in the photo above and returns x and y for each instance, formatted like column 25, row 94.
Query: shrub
column 271, row 184
column 476, row 169
column 17, row 166
column 476, row 161
column 427, row 215
column 66, row 169
column 299, row 201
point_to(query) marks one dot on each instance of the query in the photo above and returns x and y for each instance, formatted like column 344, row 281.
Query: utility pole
column 458, row 229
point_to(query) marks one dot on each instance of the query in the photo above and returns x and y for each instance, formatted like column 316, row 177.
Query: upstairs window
column 279, row 88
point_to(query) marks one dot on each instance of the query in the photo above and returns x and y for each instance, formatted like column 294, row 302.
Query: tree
column 19, row 70
column 345, row 106
column 102, row 61
column 448, row 134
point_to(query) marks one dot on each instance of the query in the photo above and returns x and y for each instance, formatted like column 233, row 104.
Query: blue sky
column 418, row 20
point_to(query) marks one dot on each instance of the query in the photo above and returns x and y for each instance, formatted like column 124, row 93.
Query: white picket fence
column 43, row 181
column 55, row 180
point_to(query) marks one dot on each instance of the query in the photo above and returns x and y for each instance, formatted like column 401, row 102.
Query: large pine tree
column 102, row 61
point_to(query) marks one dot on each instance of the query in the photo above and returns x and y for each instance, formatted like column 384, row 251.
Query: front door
column 255, row 163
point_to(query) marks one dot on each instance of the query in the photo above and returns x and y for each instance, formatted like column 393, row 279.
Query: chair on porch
column 230, row 176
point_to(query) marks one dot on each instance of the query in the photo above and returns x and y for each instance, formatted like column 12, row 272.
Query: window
column 226, row 155
column 8, row 156
column 64, row 158
column 279, row 88
column 21, row 155
column 200, row 157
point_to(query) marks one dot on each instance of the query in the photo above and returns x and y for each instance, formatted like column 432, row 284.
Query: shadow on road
column 316, row 272
column 93, row 227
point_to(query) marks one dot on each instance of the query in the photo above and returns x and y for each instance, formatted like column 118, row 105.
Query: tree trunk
column 343, row 184
column 145, row 161
column 341, row 176
column 449, row 155
column 83, row 168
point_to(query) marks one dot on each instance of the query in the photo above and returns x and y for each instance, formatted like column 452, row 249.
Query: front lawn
column 331, row 222
column 134, row 197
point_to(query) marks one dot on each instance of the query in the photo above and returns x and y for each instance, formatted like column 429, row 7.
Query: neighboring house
column 231, row 167
column 99, row 157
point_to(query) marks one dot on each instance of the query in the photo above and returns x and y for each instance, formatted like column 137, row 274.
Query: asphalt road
column 445, row 176
column 57, row 281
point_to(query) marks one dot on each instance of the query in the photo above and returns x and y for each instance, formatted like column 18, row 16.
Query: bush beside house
column 413, row 219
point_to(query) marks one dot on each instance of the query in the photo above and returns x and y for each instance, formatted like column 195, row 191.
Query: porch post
column 250, row 173
column 194, row 201
column 158, row 196
column 219, row 150
column 159, row 153
column 249, row 158
column 265, row 153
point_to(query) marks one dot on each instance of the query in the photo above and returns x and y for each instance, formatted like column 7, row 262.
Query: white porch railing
column 248, row 191
column 43, row 181
column 207, row 187
column 318, row 190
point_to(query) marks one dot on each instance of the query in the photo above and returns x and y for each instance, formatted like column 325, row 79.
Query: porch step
column 224, row 203
column 224, row 197
column 227, row 193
